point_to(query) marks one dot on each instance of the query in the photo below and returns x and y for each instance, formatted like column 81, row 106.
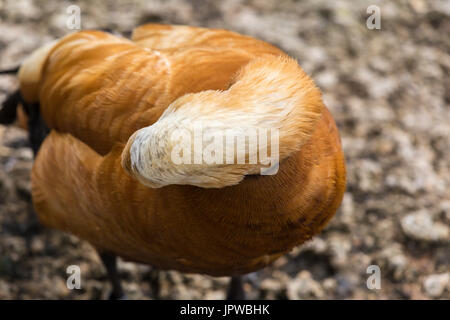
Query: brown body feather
column 96, row 90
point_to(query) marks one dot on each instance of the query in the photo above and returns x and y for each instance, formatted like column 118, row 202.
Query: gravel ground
column 388, row 90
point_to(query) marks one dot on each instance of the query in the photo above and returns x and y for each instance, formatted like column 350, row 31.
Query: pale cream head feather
column 271, row 93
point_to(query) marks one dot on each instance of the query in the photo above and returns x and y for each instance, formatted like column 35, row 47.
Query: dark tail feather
column 10, row 71
column 8, row 111
column 37, row 129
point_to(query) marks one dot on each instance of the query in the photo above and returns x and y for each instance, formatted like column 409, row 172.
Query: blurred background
column 388, row 90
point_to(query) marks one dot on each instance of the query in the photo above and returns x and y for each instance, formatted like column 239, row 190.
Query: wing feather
column 101, row 88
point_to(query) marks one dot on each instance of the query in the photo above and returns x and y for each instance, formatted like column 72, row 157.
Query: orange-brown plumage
column 96, row 90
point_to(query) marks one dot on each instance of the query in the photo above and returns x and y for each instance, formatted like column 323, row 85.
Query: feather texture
column 98, row 92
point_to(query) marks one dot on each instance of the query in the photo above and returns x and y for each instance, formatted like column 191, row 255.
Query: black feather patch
column 37, row 128
column 8, row 112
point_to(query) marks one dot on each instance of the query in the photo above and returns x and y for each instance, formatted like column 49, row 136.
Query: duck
column 113, row 123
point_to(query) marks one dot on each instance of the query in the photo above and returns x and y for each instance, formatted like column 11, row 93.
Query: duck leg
column 110, row 262
column 236, row 289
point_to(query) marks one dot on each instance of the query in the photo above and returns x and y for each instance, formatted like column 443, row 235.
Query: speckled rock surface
column 389, row 92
